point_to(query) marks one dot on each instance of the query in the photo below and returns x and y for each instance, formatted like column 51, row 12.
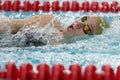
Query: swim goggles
column 86, row 27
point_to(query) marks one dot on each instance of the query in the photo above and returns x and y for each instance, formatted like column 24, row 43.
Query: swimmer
column 87, row 25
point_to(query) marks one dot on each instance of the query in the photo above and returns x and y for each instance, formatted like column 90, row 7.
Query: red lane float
column 55, row 6
column 75, row 72
column 105, row 7
column 108, row 72
column 16, row 5
column 65, row 6
column 46, row 6
column 58, row 72
column 2, row 74
column 35, row 6
column 43, row 72
column 85, row 6
column 75, row 5
column 11, row 71
column 7, row 5
column 25, row 71
column 117, row 76
column 0, row 5
column 27, row 6
column 114, row 6
column 89, row 73
column 94, row 6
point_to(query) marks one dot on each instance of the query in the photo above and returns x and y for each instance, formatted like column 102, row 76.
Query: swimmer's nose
column 78, row 25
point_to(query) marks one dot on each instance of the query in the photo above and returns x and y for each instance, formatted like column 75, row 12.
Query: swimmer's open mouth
column 70, row 28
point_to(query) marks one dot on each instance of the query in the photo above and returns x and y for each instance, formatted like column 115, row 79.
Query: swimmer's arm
column 16, row 25
column 40, row 20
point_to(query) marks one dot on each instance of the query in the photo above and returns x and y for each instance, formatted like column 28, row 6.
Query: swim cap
column 101, row 24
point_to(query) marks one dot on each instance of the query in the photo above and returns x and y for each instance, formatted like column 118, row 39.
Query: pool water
column 96, row 49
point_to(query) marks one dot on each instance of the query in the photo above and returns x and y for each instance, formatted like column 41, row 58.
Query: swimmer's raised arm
column 40, row 20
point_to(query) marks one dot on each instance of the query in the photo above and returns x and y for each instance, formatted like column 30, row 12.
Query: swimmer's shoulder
column 41, row 19
column 46, row 15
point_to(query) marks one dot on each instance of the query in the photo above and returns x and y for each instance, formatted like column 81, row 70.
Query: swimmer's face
column 85, row 25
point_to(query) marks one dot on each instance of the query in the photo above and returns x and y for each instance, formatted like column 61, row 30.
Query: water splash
column 97, row 49
column 29, row 35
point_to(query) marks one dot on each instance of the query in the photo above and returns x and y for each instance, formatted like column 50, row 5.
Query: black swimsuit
column 31, row 40
column 29, row 37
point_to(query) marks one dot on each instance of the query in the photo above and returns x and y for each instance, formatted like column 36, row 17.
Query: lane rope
column 57, row 72
column 86, row 6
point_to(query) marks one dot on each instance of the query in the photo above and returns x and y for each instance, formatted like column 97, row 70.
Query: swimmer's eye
column 87, row 30
column 83, row 19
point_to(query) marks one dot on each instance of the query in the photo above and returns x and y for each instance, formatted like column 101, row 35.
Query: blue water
column 97, row 49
